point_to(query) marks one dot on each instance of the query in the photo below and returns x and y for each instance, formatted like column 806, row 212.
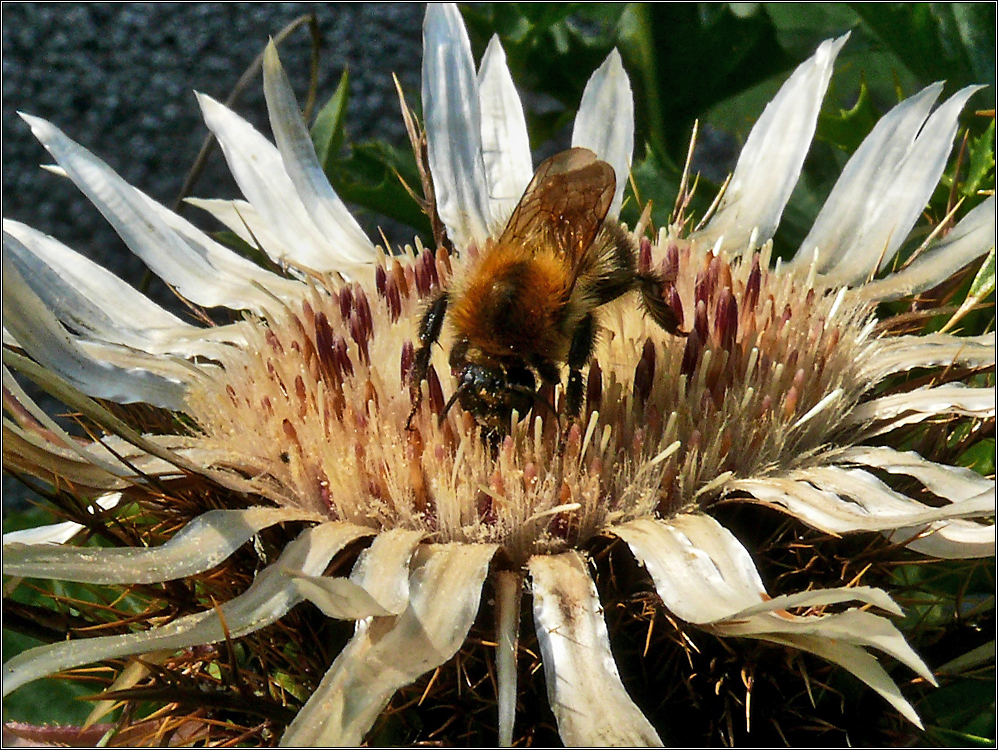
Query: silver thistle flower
column 300, row 409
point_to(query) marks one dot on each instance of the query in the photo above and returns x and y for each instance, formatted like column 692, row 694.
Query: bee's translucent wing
column 564, row 205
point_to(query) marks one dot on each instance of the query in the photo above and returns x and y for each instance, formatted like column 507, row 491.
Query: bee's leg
column 661, row 301
column 429, row 333
column 579, row 354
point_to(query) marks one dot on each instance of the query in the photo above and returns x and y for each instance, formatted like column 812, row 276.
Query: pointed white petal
column 201, row 545
column 260, row 172
column 453, row 123
column 246, row 223
column 701, row 571
column 130, row 309
column 853, row 626
column 879, row 500
column 9, row 340
column 84, row 466
column 971, row 238
column 583, row 684
column 773, row 155
column 688, row 586
column 915, row 181
column 896, row 207
column 904, row 353
column 91, row 300
column 821, row 598
column 950, row 540
column 854, row 201
column 505, row 146
column 169, row 367
column 858, row 662
column 137, row 377
column 57, row 533
column 339, row 598
column 947, row 538
column 268, row 599
column 954, row 483
column 383, row 568
column 201, row 270
column 96, row 303
column 26, row 451
column 175, row 450
column 346, row 244
column 850, row 500
column 56, row 437
column 822, row 510
column 924, row 403
column 605, row 121
column 388, row 653
column 235, row 272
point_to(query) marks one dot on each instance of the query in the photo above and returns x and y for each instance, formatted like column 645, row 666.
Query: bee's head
column 491, row 389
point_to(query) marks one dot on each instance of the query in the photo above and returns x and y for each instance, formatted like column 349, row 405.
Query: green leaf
column 958, row 707
column 328, row 132
column 551, row 50
column 982, row 656
column 982, row 164
column 370, row 177
column 658, row 183
column 508, row 20
column 980, row 457
column 704, row 54
column 952, row 41
column 984, row 282
column 801, row 27
column 949, row 738
column 45, row 701
column 847, row 128
column 537, row 24
column 541, row 17
column 981, row 287
column 28, row 518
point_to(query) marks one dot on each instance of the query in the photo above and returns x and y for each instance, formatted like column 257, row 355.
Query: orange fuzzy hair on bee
column 513, row 304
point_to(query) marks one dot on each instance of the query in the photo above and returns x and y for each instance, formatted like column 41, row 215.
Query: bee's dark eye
column 520, row 378
column 491, row 394
column 476, row 378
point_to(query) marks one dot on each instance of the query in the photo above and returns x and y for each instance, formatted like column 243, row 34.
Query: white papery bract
column 299, row 411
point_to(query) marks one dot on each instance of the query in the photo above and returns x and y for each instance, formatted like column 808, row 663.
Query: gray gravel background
column 119, row 79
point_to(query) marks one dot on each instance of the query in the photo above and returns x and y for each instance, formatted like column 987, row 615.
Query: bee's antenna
column 451, row 401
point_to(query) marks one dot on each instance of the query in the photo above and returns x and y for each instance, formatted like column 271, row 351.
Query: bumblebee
column 529, row 305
